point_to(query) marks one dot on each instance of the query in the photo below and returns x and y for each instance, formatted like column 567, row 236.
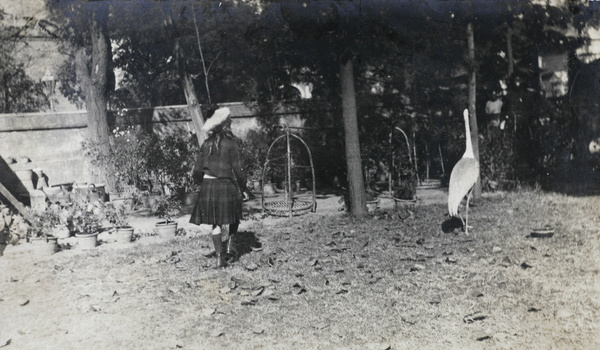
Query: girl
column 218, row 169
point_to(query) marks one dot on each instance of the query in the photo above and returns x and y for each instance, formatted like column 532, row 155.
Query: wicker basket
column 282, row 208
column 410, row 203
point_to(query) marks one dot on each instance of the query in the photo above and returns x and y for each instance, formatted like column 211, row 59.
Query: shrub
column 171, row 160
column 126, row 158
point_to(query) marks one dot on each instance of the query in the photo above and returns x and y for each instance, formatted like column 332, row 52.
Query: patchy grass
column 393, row 280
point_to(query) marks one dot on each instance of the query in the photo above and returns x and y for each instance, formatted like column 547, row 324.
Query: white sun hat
column 220, row 116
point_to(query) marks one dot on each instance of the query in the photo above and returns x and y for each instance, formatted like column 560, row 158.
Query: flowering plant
column 46, row 221
column 12, row 225
column 117, row 215
column 86, row 217
column 166, row 208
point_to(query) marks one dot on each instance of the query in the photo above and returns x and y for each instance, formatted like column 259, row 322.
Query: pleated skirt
column 219, row 203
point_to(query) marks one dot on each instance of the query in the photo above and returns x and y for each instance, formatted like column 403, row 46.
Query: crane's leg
column 467, row 211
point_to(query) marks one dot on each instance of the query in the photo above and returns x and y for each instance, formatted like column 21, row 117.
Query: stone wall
column 52, row 140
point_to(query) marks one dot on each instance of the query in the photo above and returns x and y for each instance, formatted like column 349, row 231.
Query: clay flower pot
column 44, row 245
column 166, row 229
column 124, row 234
column 87, row 241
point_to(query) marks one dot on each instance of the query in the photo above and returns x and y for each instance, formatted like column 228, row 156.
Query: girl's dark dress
column 220, row 201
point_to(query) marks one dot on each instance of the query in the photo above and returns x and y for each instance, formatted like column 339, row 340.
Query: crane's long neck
column 469, row 149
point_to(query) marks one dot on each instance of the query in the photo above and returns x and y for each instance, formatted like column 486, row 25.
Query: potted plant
column 255, row 178
column 118, row 216
column 189, row 195
column 47, row 226
column 254, row 152
column 86, row 222
column 165, row 208
column 405, row 193
column 372, row 201
column 12, row 227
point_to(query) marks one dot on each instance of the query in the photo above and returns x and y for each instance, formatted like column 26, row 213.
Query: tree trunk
column 472, row 103
column 93, row 71
column 190, row 93
column 355, row 177
column 509, row 52
column 193, row 106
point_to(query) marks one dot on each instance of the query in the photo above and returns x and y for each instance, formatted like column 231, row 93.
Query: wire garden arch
column 291, row 205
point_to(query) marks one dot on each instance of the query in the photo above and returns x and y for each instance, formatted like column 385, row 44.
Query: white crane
column 463, row 177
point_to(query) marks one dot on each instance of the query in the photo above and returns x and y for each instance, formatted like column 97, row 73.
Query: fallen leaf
column 417, row 267
column 435, row 300
column 342, row 291
column 525, row 266
column 451, row 260
column 258, row 291
column 474, row 317
column 207, row 312
column 250, row 302
column 25, row 303
column 533, row 309
column 216, row 333
column 496, row 250
column 485, row 337
column 224, row 290
column 321, row 325
column 409, row 319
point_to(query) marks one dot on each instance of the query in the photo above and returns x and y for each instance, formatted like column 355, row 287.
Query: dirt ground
column 399, row 279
